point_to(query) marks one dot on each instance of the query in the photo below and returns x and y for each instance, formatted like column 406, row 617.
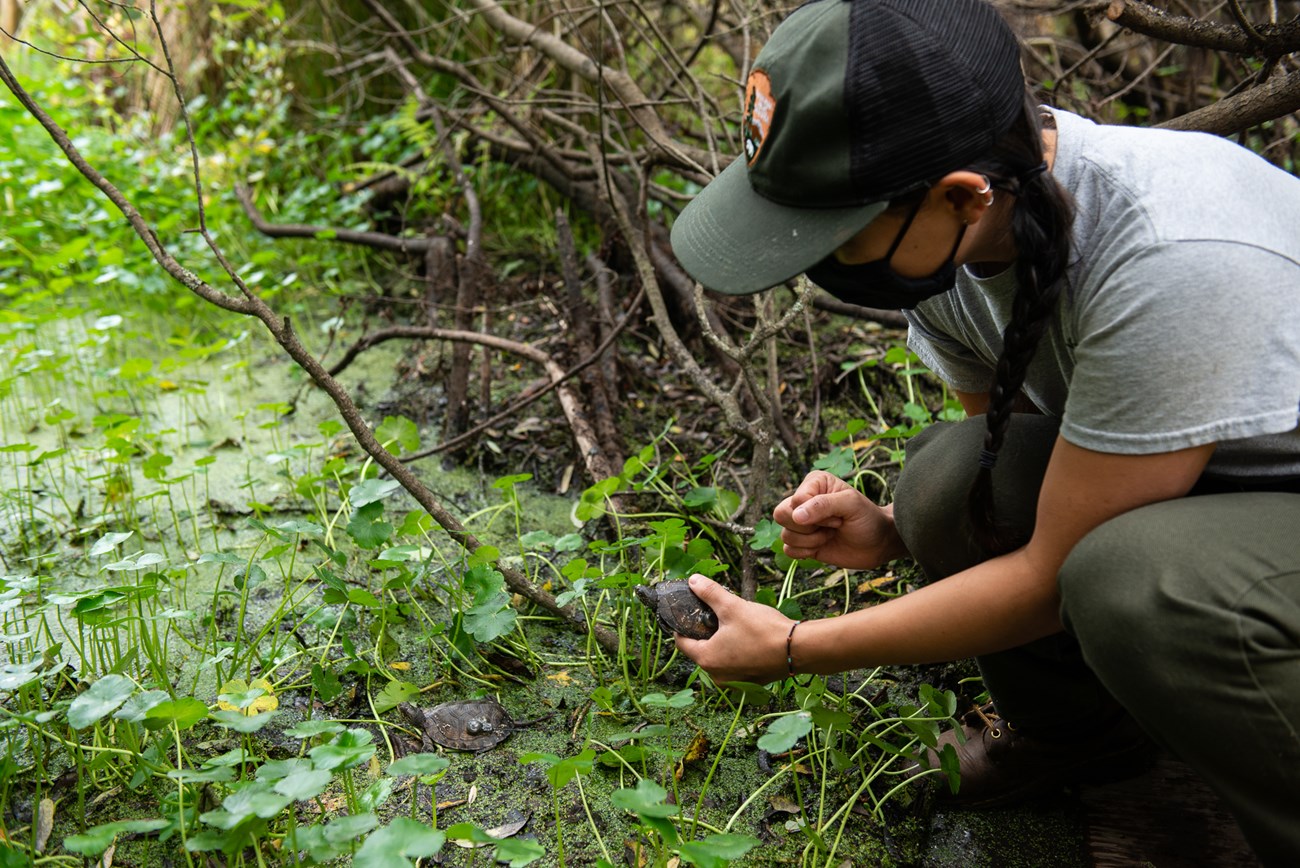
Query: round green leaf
column 183, row 712
column 399, row 841
column 647, row 800
column 420, row 764
column 349, row 748
column 313, row 728
column 97, row 839
column 785, row 732
column 103, row 697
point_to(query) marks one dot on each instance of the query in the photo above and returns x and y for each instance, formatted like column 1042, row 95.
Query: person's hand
column 831, row 521
column 749, row 644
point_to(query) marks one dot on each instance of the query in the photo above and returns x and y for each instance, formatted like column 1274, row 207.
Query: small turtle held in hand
column 678, row 610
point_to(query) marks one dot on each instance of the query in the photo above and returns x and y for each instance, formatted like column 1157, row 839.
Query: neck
column 989, row 246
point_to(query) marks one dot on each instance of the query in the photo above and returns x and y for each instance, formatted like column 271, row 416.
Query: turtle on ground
column 678, row 610
column 473, row 724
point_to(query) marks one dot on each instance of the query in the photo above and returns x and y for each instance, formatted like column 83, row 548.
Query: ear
column 967, row 194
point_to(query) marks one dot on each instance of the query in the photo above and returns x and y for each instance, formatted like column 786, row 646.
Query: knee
column 1127, row 593
column 1098, row 585
column 931, row 500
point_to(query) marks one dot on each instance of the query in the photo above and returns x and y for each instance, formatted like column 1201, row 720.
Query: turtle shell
column 678, row 610
column 474, row 724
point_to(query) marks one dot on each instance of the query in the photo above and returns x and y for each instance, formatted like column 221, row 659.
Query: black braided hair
column 1040, row 226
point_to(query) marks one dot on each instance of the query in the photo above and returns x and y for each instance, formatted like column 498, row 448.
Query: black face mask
column 876, row 284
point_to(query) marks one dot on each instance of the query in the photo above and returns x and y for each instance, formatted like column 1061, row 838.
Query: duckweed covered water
column 212, row 608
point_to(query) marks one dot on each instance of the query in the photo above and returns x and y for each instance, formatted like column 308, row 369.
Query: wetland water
column 206, row 597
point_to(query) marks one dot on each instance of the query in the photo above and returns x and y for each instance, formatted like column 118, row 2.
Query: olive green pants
column 1186, row 613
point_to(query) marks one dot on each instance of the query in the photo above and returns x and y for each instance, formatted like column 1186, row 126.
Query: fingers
column 692, row 648
column 710, row 592
column 829, row 510
column 717, row 598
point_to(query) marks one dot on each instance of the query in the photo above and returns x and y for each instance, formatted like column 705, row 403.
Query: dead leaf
column 697, row 750
column 330, row 804
column 530, row 425
column 453, row 803
column 509, row 830
column 561, row 677
column 637, row 856
column 107, row 794
column 107, row 860
column 834, row 578
column 44, row 823
column 878, row 582
column 473, row 794
column 784, row 805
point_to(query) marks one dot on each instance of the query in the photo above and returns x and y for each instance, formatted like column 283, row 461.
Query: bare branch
column 620, row 83
column 1278, row 96
column 1150, row 21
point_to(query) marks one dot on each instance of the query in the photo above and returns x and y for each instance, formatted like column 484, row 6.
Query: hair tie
column 1031, row 174
column 988, row 458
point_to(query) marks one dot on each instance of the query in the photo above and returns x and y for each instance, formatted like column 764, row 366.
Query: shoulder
column 1136, row 186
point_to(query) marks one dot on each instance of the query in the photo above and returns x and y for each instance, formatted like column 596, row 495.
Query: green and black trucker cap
column 849, row 104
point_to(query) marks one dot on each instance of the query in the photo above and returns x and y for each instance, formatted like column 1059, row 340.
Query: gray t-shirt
column 1179, row 323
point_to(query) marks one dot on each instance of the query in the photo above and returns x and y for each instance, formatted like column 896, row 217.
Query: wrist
column 800, row 649
column 789, row 650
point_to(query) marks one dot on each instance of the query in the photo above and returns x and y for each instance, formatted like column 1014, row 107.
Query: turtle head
column 647, row 595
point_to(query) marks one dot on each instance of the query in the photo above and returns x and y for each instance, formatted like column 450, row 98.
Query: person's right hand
column 831, row 521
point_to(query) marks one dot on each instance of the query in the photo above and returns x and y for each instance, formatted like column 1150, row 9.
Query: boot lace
column 993, row 722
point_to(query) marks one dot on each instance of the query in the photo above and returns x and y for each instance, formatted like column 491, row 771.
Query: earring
column 987, row 191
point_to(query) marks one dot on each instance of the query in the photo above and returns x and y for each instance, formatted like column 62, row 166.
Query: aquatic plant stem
column 758, row 791
column 717, row 758
column 595, row 830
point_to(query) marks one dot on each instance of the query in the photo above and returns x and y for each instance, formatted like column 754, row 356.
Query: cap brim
column 733, row 240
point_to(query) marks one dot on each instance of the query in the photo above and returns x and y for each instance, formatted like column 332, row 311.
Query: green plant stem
column 717, row 758
column 758, row 791
column 595, row 830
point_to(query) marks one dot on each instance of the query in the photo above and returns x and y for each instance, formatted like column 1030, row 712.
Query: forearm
column 995, row 605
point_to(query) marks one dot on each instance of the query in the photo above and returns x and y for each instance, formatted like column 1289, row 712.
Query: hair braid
column 1040, row 226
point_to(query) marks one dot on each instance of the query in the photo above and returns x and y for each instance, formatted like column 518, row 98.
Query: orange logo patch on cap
column 759, row 106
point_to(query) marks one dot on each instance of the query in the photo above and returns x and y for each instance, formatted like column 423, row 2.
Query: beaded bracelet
column 789, row 658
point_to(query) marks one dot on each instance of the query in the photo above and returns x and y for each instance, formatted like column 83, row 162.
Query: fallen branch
column 596, row 356
column 596, row 459
column 377, row 240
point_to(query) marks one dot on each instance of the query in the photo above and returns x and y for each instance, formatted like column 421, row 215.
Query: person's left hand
column 749, row 644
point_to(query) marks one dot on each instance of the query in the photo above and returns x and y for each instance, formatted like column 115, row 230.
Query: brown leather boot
column 1001, row 765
